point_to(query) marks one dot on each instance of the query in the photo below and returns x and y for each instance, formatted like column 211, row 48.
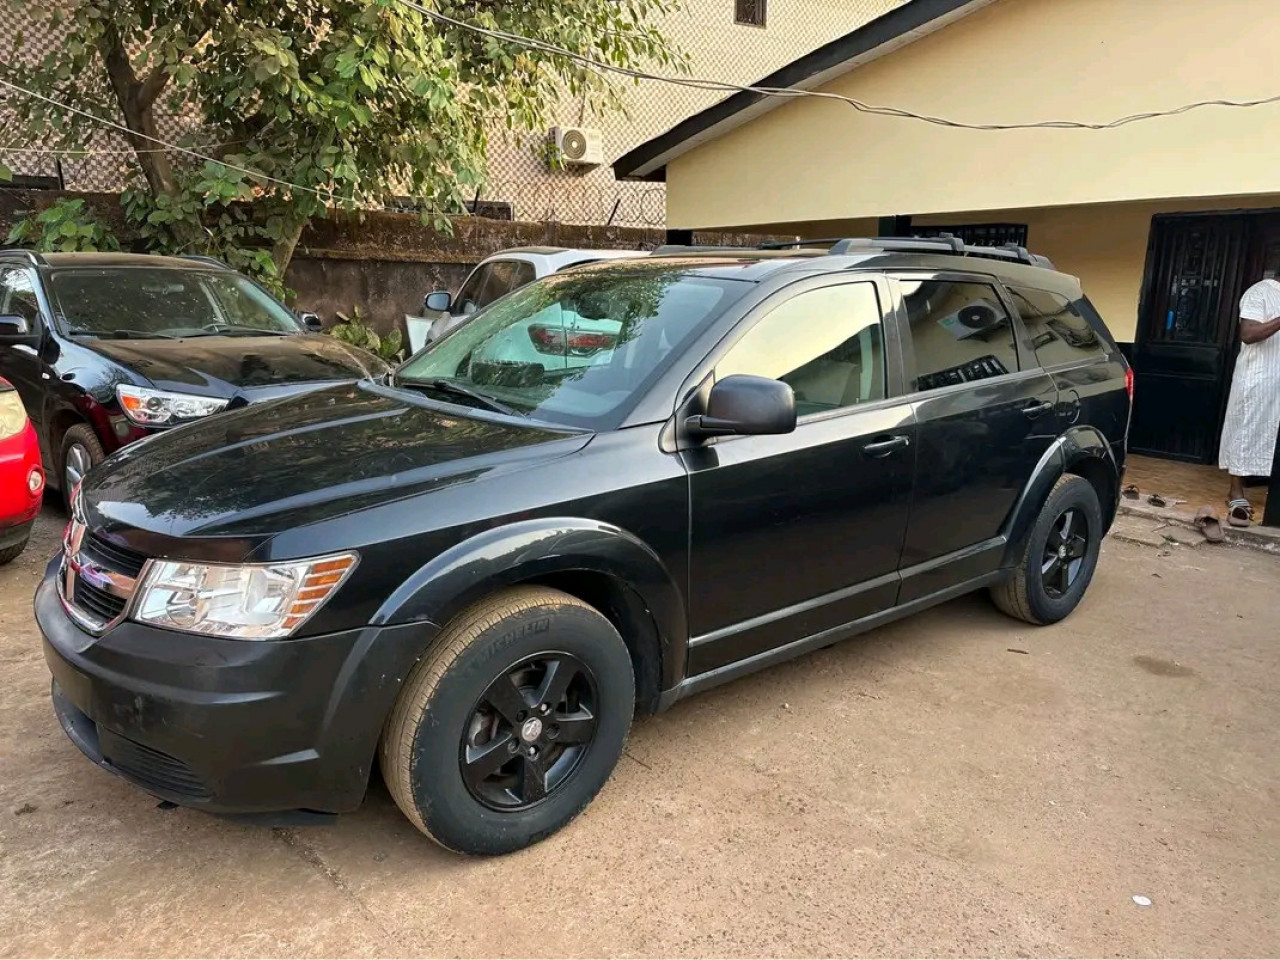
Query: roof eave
column 874, row 39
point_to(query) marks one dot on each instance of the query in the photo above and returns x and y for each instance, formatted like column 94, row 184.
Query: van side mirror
column 746, row 405
column 311, row 322
column 438, row 302
column 16, row 331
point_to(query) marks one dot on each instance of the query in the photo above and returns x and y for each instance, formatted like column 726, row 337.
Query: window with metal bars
column 749, row 12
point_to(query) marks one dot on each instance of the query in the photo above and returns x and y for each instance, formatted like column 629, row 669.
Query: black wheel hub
column 1064, row 552
column 529, row 731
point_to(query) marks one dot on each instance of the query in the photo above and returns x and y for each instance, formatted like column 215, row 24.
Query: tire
column 11, row 553
column 1042, row 597
column 456, row 706
column 84, row 441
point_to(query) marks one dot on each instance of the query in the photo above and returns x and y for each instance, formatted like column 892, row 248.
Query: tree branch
column 153, row 86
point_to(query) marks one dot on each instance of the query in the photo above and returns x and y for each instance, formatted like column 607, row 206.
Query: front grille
column 112, row 557
column 151, row 768
column 100, row 604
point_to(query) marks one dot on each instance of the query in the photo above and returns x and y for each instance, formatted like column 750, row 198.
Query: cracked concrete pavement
column 955, row 784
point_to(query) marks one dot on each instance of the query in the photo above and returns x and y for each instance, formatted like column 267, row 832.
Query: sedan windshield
column 576, row 348
column 159, row 302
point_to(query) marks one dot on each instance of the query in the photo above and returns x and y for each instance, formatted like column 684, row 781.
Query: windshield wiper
column 122, row 333
column 461, row 390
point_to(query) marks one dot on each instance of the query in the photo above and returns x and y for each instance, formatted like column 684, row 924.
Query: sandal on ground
column 1210, row 524
column 1240, row 513
column 1131, row 492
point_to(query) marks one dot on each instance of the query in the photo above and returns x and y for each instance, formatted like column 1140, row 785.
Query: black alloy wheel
column 529, row 731
column 1064, row 553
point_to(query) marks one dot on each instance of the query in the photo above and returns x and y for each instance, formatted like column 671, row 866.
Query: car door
column 20, row 364
column 986, row 416
column 797, row 534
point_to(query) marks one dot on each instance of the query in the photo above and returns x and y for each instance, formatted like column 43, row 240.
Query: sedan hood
column 240, row 366
column 303, row 459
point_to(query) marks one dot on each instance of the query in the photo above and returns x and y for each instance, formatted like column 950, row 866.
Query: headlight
column 13, row 417
column 156, row 408
column 249, row 602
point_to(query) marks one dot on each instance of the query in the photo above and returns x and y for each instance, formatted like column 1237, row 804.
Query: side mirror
column 311, row 322
column 438, row 302
column 746, row 405
column 16, row 331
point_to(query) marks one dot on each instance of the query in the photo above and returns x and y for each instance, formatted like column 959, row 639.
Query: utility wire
column 791, row 92
column 257, row 174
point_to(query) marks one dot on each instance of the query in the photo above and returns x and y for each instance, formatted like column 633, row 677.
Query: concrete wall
column 387, row 262
column 1013, row 61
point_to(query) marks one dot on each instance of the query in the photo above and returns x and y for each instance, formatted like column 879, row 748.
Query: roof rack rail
column 944, row 243
column 201, row 258
column 32, row 257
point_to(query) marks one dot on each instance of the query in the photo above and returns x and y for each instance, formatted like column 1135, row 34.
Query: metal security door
column 1186, row 331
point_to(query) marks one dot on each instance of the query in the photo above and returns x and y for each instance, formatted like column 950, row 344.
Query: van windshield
column 578, row 349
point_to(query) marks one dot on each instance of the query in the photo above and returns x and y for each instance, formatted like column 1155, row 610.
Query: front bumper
column 228, row 726
column 18, row 533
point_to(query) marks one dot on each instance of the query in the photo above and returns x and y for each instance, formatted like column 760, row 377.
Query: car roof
column 111, row 260
column 556, row 258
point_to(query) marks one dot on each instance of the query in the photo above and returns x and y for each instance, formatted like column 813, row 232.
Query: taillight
column 562, row 340
column 13, row 417
column 1128, row 382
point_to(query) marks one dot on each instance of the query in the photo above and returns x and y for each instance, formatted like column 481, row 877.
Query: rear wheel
column 510, row 725
column 1059, row 557
column 11, row 553
column 81, row 452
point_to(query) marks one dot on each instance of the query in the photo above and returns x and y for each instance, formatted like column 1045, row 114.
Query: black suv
column 109, row 348
column 610, row 489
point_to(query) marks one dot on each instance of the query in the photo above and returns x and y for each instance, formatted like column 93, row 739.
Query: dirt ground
column 956, row 784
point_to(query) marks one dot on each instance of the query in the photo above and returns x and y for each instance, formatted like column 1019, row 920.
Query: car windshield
column 157, row 302
column 577, row 348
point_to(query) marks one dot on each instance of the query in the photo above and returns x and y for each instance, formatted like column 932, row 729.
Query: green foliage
column 355, row 330
column 67, row 227
column 310, row 104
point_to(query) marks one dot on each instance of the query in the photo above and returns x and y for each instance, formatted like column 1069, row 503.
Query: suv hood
column 231, row 366
column 302, row 459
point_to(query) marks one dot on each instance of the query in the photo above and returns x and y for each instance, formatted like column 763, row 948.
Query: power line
column 164, row 143
column 791, row 92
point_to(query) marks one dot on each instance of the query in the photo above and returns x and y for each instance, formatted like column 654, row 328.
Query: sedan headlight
column 249, row 602
column 157, row 408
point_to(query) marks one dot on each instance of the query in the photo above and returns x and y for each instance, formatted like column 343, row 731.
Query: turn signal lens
column 13, row 418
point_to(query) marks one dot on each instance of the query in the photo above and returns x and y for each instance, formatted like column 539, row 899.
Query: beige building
column 1166, row 220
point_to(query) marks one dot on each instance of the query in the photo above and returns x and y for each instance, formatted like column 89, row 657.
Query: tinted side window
column 1059, row 333
column 960, row 331
column 505, row 276
column 18, row 295
column 826, row 344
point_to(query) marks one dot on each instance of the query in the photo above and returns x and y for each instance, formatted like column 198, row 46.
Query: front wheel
column 81, row 452
column 1059, row 558
column 511, row 724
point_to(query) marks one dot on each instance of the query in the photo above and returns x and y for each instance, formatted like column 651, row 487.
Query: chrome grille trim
column 81, row 567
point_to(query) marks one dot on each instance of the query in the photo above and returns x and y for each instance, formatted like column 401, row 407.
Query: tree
column 304, row 104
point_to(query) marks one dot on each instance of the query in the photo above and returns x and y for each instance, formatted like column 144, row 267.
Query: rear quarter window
column 1058, row 329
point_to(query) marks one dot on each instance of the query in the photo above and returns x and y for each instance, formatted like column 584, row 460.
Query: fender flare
column 1080, row 444
column 529, row 549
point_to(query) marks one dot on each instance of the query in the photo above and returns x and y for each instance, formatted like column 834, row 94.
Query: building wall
column 1012, row 61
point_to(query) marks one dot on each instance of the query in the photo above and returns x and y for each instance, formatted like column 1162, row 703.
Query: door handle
column 886, row 446
column 1037, row 409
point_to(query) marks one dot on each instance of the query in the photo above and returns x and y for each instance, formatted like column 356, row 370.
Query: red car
column 21, row 475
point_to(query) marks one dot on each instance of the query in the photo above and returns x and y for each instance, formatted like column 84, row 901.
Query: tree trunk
column 282, row 251
column 137, row 103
